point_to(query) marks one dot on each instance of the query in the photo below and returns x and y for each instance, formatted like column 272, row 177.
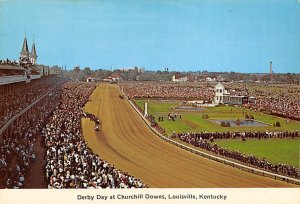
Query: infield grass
column 276, row 151
column 192, row 120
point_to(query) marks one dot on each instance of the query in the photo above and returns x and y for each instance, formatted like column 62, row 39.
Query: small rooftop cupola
column 33, row 55
column 24, row 54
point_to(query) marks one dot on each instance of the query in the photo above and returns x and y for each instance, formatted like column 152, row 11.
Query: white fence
column 216, row 158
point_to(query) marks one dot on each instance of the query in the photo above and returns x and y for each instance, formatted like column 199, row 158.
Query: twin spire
column 25, row 54
column 33, row 51
column 25, row 51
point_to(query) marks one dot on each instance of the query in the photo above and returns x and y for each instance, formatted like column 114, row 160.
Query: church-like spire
column 33, row 51
column 33, row 55
column 25, row 51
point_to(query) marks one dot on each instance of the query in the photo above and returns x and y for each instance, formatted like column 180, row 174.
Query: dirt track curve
column 127, row 142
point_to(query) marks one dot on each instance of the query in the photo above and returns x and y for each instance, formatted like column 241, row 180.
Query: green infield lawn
column 192, row 120
column 156, row 107
column 274, row 150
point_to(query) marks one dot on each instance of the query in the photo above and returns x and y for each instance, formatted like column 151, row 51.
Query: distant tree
column 101, row 74
column 147, row 76
column 76, row 69
column 87, row 71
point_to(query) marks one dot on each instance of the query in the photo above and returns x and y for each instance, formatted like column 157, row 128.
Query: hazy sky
column 215, row 35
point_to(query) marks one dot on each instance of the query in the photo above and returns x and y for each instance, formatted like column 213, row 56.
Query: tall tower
column 33, row 55
column 271, row 71
column 24, row 54
column 219, row 93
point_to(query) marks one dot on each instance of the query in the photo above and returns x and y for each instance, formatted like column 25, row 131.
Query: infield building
column 223, row 96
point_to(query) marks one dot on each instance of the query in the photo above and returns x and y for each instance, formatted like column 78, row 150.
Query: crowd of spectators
column 70, row 163
column 93, row 118
column 10, row 68
column 206, row 141
column 167, row 90
column 8, row 62
column 11, row 72
column 276, row 99
column 17, row 147
column 247, row 134
column 279, row 100
column 19, row 97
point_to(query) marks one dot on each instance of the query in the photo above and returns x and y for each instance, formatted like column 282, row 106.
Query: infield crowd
column 278, row 100
column 167, row 90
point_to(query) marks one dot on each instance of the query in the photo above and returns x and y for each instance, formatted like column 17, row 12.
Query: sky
column 183, row 35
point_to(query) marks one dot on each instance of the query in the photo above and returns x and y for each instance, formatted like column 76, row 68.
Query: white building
column 208, row 79
column 178, row 78
column 219, row 93
column 224, row 97
column 128, row 69
column 89, row 79
column 113, row 78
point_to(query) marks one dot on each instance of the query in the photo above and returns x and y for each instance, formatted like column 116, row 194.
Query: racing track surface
column 127, row 142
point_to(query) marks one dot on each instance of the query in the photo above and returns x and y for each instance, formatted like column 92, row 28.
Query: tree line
column 136, row 75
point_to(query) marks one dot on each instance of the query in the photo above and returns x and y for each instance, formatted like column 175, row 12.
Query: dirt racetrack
column 127, row 142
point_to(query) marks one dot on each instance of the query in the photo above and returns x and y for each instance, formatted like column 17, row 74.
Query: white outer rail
column 216, row 158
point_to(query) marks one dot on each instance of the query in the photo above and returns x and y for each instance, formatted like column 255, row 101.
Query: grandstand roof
column 11, row 67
